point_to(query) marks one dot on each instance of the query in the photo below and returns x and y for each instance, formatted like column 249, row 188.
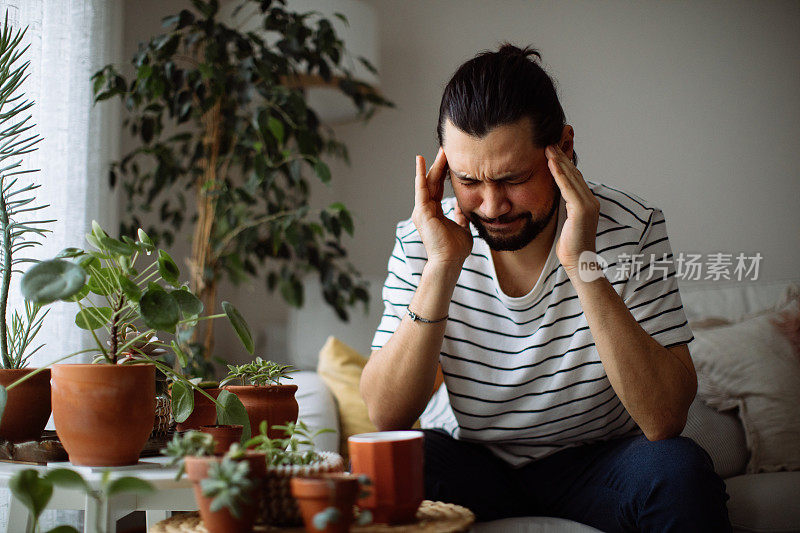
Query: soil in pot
column 103, row 413
column 274, row 403
column 317, row 496
column 27, row 407
column 223, row 521
column 224, row 435
column 204, row 413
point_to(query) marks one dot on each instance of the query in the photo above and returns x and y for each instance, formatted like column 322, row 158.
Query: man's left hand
column 583, row 210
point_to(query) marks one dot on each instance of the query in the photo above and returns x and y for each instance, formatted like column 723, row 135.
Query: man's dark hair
column 497, row 88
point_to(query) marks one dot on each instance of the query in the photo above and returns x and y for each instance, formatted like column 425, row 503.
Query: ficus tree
column 220, row 119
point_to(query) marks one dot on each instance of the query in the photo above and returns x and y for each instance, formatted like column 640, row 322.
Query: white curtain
column 69, row 40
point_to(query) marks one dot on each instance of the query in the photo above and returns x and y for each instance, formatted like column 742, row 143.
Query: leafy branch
column 221, row 120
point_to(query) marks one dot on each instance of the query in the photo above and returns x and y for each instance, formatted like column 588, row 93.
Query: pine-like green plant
column 16, row 199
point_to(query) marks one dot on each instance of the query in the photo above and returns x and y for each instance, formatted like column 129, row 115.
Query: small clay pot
column 274, row 403
column 28, row 405
column 224, row 435
column 204, row 413
column 103, row 414
column 223, row 521
column 315, row 495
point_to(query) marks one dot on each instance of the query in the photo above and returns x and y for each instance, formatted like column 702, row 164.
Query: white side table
column 170, row 495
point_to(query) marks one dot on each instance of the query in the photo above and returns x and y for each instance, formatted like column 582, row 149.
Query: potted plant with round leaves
column 24, row 411
column 263, row 395
column 35, row 492
column 204, row 410
column 104, row 412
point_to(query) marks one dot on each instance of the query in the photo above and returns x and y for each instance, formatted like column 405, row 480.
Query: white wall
column 693, row 106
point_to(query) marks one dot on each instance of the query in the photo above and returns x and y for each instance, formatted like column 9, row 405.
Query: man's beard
column 530, row 230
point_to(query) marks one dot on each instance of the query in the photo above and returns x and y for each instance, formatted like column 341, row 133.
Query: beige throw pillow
column 340, row 367
column 752, row 365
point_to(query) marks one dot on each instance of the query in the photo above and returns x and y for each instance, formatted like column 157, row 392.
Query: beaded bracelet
column 416, row 318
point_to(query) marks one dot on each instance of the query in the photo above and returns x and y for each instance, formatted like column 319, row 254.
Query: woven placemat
column 432, row 517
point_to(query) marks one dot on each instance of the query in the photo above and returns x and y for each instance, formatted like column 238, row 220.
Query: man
column 567, row 377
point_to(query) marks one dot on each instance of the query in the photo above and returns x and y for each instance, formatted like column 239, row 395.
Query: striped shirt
column 522, row 374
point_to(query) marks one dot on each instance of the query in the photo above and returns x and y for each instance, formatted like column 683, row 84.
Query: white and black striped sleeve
column 651, row 292
column 398, row 289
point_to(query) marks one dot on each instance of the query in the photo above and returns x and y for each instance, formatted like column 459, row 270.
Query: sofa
column 760, row 501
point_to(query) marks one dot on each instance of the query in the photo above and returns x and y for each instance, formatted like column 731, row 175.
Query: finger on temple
column 436, row 175
column 420, row 183
column 437, row 168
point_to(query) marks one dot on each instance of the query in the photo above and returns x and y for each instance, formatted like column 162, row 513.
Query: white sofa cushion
column 731, row 300
column 752, row 366
column 317, row 408
column 721, row 435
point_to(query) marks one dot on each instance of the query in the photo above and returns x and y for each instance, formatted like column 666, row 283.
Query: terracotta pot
column 278, row 506
column 27, row 407
column 316, row 494
column 223, row 521
column 204, row 413
column 103, row 413
column 224, row 436
column 274, row 403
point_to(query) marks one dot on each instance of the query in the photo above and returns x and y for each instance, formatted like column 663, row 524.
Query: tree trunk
column 202, row 267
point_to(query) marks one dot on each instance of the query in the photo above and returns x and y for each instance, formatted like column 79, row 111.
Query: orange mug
column 393, row 460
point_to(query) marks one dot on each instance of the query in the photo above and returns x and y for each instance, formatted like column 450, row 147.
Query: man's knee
column 677, row 480
column 676, row 460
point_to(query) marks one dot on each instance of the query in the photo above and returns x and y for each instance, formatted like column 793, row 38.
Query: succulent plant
column 194, row 443
column 229, row 484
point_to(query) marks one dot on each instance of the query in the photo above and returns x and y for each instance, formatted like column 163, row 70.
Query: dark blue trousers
column 628, row 484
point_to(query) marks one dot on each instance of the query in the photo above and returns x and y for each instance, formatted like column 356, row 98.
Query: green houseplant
column 263, row 395
column 188, row 443
column 28, row 407
column 35, row 492
column 110, row 426
column 221, row 119
column 224, row 485
column 287, row 457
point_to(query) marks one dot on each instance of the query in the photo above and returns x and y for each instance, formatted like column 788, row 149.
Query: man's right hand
column 445, row 241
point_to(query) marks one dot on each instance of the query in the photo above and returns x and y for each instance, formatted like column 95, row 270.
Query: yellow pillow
column 340, row 367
